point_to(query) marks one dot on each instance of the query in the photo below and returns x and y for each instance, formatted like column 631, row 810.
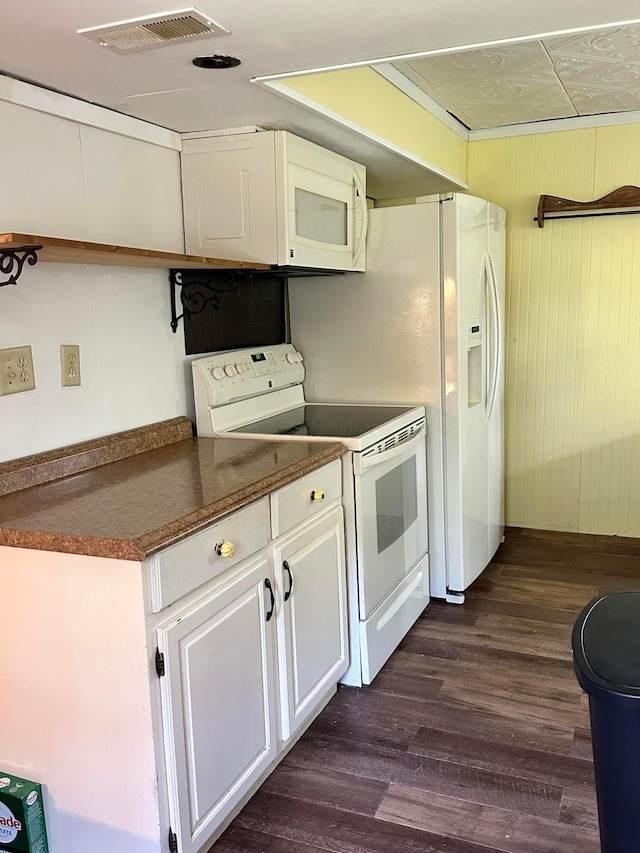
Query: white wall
column 65, row 179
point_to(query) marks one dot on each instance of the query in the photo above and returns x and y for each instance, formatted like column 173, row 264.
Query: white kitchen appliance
column 425, row 324
column 258, row 393
column 273, row 198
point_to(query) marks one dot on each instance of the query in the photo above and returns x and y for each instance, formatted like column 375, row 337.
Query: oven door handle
column 363, row 462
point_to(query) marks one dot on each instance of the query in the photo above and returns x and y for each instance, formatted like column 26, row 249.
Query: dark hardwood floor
column 475, row 735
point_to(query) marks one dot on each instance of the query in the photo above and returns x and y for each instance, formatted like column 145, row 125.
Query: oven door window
column 391, row 523
column 396, row 503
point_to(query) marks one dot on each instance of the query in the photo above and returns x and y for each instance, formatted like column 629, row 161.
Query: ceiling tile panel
column 620, row 44
column 573, row 68
column 521, row 60
column 594, row 100
column 600, row 71
column 570, row 75
column 494, row 86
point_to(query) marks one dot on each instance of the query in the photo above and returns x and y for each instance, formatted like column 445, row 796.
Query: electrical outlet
column 70, row 364
column 16, row 370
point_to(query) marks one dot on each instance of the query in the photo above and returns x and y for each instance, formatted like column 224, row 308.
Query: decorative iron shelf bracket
column 624, row 200
column 13, row 260
column 198, row 288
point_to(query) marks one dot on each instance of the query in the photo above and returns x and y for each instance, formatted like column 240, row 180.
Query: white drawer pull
column 317, row 495
column 225, row 549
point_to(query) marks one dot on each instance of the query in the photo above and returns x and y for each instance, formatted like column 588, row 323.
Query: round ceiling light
column 216, row 61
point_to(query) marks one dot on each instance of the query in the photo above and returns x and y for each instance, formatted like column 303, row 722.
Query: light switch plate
column 16, row 370
column 70, row 364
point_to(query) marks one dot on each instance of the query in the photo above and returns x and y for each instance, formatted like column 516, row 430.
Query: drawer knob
column 317, row 495
column 225, row 549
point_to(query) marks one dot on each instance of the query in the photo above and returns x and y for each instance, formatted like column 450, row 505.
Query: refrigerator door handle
column 497, row 327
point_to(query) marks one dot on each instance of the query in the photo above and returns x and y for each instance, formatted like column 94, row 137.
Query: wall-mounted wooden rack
column 15, row 249
column 620, row 201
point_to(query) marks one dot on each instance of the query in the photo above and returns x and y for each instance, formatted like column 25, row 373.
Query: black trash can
column 606, row 656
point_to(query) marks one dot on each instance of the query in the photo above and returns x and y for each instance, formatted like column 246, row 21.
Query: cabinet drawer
column 295, row 503
column 182, row 568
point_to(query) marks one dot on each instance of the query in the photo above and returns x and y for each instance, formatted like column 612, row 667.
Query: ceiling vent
column 154, row 30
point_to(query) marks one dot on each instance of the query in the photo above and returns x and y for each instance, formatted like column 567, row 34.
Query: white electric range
column 258, row 393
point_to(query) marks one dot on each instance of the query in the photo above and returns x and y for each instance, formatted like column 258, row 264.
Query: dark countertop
column 131, row 494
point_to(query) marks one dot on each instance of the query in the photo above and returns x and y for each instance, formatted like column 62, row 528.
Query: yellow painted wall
column 573, row 330
column 364, row 97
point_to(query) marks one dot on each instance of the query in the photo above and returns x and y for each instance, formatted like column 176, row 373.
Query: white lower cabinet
column 246, row 662
column 218, row 702
column 312, row 632
column 178, row 695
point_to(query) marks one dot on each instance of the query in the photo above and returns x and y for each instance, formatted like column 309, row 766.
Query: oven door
column 391, row 517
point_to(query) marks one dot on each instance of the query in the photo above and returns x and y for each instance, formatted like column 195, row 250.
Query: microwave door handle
column 396, row 450
column 361, row 202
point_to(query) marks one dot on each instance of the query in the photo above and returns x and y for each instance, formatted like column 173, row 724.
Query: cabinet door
column 312, row 622
column 218, row 702
column 229, row 189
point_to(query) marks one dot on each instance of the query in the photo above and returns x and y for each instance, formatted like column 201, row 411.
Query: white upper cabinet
column 229, row 196
column 87, row 183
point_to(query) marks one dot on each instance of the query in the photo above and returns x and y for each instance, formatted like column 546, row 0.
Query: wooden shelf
column 80, row 252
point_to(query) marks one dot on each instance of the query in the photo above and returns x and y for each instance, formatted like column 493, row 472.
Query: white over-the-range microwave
column 273, row 198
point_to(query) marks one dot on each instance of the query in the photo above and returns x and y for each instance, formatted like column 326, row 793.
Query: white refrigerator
column 425, row 325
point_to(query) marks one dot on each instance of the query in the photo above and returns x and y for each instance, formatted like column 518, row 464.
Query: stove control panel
column 227, row 377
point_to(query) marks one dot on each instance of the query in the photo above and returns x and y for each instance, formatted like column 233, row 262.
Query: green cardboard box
column 22, row 826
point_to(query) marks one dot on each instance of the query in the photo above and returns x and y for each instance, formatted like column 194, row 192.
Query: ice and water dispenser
column 475, row 362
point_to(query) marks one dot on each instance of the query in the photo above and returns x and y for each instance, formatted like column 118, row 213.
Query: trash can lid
column 606, row 642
